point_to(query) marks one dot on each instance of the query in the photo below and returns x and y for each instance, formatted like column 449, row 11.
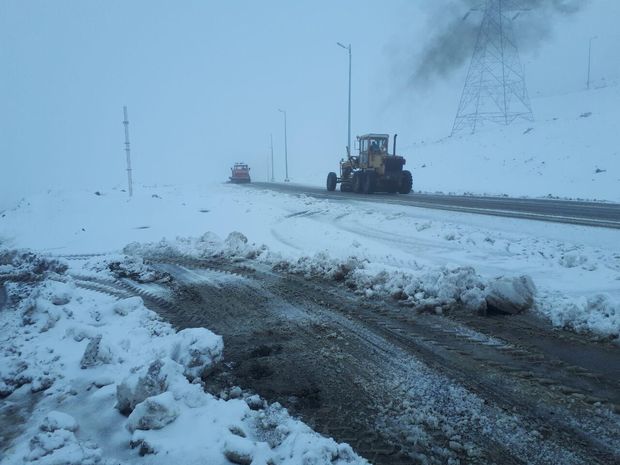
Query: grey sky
column 203, row 81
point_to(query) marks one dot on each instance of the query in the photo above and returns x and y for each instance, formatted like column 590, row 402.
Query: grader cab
column 373, row 169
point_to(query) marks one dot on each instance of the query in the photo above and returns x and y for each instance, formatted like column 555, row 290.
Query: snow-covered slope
column 570, row 151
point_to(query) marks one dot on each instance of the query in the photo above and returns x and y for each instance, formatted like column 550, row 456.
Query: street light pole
column 590, row 58
column 349, row 119
column 128, row 152
column 285, row 148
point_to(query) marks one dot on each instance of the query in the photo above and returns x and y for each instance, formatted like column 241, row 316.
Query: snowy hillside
column 570, row 151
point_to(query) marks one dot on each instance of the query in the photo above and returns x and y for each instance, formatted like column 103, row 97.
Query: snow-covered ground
column 98, row 359
column 576, row 269
column 68, row 341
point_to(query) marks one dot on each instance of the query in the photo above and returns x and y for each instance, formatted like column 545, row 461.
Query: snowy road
column 399, row 385
column 561, row 211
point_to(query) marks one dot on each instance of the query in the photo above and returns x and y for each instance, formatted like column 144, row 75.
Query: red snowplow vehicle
column 240, row 173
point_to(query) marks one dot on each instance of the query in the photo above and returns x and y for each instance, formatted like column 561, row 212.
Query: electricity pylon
column 495, row 88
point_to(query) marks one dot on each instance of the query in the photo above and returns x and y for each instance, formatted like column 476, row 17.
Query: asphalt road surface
column 599, row 214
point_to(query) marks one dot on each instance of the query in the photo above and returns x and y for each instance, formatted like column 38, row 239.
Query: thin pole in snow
column 285, row 148
column 128, row 152
column 272, row 175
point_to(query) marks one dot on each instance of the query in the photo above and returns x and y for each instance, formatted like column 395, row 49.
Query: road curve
column 597, row 214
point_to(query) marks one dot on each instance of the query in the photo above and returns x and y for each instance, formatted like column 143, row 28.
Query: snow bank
column 119, row 383
column 209, row 245
column 435, row 290
column 120, row 266
column 598, row 314
column 423, row 288
column 61, row 447
column 511, row 295
column 197, row 350
column 26, row 266
column 451, row 288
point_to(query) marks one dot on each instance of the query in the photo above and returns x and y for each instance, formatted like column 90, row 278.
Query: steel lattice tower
column 495, row 86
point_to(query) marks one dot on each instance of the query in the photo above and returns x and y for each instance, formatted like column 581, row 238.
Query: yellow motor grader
column 373, row 169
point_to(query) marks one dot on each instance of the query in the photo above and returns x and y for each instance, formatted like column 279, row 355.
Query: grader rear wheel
column 332, row 180
column 406, row 182
column 368, row 183
column 357, row 182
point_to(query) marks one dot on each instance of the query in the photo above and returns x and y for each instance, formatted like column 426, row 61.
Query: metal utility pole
column 590, row 58
column 349, row 120
column 495, row 89
column 127, row 151
column 272, row 174
column 285, row 148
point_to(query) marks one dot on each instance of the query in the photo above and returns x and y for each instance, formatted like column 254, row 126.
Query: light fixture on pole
column 285, row 148
column 590, row 58
column 349, row 120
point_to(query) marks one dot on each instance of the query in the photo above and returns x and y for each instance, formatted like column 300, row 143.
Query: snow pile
column 119, row 383
column 436, row 290
column 119, row 266
column 197, row 351
column 422, row 287
column 207, row 246
column 153, row 412
column 61, row 446
column 599, row 314
column 26, row 267
column 511, row 295
column 428, row 289
column 452, row 288
column 321, row 265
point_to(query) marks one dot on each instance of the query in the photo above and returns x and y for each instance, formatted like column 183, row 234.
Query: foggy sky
column 203, row 81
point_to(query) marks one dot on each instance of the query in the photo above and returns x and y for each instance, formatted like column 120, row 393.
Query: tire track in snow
column 358, row 370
